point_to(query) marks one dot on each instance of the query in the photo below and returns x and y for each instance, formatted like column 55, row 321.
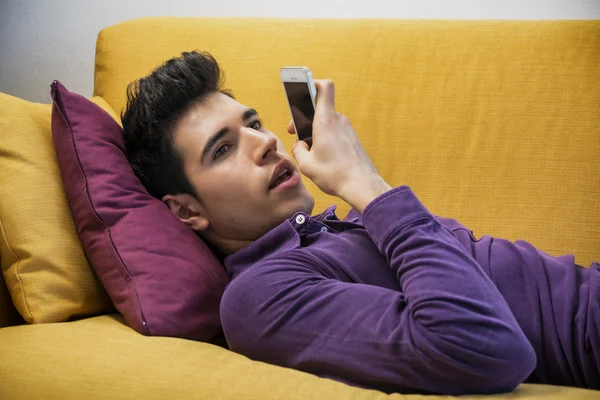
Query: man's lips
column 292, row 181
column 284, row 176
column 283, row 171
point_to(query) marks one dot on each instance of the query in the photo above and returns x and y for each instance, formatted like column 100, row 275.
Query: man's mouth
column 283, row 176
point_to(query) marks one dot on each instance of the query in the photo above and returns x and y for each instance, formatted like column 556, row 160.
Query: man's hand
column 337, row 162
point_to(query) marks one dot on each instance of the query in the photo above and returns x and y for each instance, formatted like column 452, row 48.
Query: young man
column 392, row 297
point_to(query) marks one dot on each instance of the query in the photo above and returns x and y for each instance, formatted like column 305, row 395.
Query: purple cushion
column 159, row 274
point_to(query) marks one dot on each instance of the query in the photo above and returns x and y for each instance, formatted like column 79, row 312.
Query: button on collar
column 324, row 229
column 300, row 219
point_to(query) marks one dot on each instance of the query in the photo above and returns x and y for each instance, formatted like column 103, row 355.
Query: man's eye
column 256, row 125
column 221, row 150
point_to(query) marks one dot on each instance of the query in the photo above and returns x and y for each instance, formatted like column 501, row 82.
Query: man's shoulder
column 289, row 261
column 268, row 279
column 276, row 271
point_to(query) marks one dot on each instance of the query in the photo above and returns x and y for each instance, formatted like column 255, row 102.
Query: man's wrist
column 359, row 193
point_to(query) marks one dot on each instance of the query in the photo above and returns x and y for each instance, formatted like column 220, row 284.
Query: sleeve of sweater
column 448, row 331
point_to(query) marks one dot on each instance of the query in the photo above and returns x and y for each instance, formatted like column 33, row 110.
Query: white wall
column 45, row 40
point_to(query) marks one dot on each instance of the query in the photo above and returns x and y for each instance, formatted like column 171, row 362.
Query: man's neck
column 229, row 248
column 224, row 247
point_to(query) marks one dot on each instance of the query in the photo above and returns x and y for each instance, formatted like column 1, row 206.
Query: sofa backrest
column 496, row 124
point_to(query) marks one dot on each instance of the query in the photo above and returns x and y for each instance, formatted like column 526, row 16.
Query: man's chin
column 309, row 206
column 304, row 203
column 287, row 209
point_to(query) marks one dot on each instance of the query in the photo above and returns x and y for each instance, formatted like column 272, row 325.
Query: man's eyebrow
column 249, row 113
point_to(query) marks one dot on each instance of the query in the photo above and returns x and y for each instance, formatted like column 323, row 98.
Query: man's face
column 231, row 159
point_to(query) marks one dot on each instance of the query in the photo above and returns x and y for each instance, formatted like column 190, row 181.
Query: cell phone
column 301, row 94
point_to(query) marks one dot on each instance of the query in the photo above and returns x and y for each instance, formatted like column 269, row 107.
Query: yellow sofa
column 496, row 124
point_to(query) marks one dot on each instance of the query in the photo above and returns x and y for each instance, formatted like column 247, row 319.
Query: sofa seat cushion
column 102, row 358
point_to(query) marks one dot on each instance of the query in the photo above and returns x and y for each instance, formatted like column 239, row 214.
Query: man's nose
column 263, row 145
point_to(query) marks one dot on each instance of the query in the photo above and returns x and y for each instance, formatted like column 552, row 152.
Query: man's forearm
column 458, row 316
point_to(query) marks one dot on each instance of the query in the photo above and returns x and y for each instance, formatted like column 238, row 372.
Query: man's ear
column 188, row 210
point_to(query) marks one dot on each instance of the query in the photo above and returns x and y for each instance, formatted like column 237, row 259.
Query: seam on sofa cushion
column 18, row 264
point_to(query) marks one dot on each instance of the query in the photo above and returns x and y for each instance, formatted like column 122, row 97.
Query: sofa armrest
column 102, row 358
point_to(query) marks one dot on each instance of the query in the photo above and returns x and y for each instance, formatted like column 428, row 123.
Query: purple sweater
column 403, row 301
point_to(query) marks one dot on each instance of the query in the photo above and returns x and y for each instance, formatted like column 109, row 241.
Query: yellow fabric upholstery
column 43, row 264
column 496, row 124
column 493, row 123
column 73, row 361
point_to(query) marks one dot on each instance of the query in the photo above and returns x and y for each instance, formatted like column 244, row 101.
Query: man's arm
column 450, row 331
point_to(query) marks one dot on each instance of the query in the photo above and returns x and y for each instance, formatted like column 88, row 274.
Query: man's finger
column 325, row 96
column 291, row 128
column 300, row 152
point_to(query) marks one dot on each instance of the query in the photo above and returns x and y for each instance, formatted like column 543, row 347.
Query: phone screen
column 303, row 111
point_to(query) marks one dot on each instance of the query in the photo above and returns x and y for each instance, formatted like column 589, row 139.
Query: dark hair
column 154, row 105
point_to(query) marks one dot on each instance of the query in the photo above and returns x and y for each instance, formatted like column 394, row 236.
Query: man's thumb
column 300, row 152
